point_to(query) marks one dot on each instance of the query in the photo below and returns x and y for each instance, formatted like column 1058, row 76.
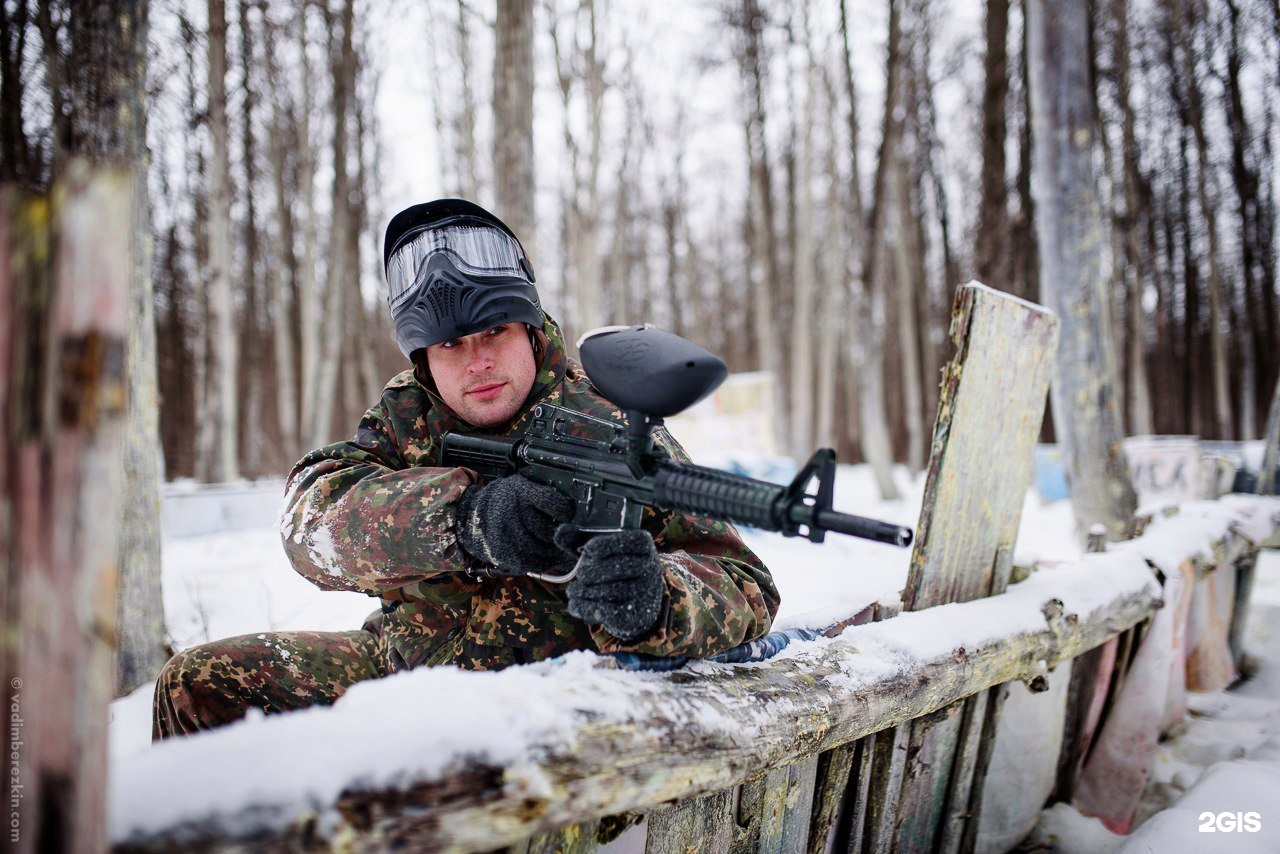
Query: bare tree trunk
column 308, row 300
column 15, row 155
column 222, row 333
column 1139, row 391
column 1257, row 259
column 906, row 256
column 468, row 166
column 338, row 276
column 805, row 284
column 991, row 254
column 251, row 365
column 875, row 428
column 1073, row 250
column 513, row 119
column 283, row 332
column 831, row 321
column 1195, row 116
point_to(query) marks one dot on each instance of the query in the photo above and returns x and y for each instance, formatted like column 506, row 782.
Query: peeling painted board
column 786, row 807
column 980, row 467
column 853, row 820
column 831, row 783
column 748, row 801
column 930, row 756
column 694, row 826
column 966, row 771
column 574, row 839
column 889, row 763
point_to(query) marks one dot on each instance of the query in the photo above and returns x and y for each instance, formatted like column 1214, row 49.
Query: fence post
column 980, row 468
column 64, row 274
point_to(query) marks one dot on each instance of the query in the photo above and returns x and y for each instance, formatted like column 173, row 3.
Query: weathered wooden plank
column 930, row 755
column 831, row 783
column 964, row 772
column 748, row 803
column 694, row 825
column 574, row 839
column 979, row 466
column 979, row 472
column 787, row 807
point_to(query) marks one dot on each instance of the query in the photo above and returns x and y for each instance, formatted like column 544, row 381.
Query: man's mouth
column 488, row 391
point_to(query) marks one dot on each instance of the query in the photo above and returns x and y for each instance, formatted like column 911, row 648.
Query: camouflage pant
column 218, row 682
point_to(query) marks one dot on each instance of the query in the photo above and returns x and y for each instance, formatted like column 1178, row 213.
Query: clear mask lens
column 478, row 250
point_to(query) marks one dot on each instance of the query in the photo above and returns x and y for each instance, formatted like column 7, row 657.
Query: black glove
column 508, row 526
column 619, row 581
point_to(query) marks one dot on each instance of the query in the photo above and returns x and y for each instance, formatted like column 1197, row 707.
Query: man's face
column 485, row 376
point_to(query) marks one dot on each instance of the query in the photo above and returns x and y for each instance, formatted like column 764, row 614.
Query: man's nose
column 481, row 360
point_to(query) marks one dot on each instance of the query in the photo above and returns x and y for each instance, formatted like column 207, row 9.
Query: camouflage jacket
column 375, row 514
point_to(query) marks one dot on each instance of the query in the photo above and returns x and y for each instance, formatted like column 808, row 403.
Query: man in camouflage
column 462, row 568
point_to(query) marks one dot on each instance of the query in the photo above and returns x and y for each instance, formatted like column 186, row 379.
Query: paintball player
column 459, row 565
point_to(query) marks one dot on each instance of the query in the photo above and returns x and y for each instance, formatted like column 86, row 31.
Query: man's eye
column 497, row 330
column 450, row 344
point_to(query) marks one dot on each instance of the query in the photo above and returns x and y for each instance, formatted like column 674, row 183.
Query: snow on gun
column 612, row 472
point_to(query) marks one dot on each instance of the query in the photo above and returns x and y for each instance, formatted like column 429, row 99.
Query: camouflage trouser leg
column 218, row 682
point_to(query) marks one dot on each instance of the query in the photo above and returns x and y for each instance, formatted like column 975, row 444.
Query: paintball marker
column 613, row 471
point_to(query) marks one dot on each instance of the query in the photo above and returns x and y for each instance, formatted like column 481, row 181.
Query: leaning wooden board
column 980, row 468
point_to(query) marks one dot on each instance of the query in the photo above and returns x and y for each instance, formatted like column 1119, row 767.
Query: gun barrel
column 868, row 529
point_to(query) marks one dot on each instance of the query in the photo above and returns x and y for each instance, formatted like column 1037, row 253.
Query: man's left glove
column 508, row 526
column 619, row 581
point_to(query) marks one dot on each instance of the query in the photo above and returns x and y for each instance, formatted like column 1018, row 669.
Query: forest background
column 798, row 186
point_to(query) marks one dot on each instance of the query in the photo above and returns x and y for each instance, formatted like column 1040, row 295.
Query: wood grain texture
column 980, row 468
column 692, row 826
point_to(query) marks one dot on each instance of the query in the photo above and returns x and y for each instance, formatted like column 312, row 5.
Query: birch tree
column 513, row 119
column 223, row 462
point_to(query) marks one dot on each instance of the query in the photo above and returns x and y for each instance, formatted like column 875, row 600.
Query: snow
column 237, row 583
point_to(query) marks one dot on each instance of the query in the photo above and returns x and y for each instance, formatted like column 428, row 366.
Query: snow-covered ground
column 217, row 585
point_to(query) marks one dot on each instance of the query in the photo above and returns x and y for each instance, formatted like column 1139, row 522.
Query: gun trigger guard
column 563, row 578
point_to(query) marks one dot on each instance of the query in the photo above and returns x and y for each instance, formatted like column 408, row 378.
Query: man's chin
column 493, row 414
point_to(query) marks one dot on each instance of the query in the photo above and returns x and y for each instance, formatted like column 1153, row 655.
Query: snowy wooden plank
column 66, row 297
column 704, row 735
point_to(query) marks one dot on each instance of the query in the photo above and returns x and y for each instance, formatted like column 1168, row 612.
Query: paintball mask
column 454, row 269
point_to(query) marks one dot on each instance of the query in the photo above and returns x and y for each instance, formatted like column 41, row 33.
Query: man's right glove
column 508, row 525
column 619, row 581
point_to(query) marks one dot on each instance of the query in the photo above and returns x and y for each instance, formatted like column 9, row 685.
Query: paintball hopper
column 648, row 370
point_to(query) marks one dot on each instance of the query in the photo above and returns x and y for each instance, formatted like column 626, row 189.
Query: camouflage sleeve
column 357, row 517
column 719, row 593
